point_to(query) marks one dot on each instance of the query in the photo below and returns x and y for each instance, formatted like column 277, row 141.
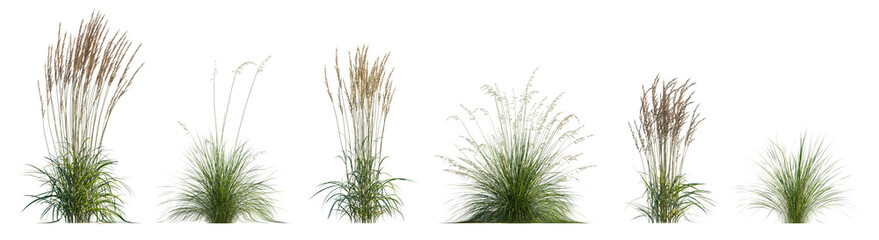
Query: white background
column 764, row 70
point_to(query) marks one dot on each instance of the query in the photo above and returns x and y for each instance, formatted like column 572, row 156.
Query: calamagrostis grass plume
column 86, row 74
column 361, row 106
column 663, row 133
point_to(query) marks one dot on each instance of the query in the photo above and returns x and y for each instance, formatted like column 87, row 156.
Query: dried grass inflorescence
column 86, row 75
column 515, row 161
column 663, row 133
column 361, row 105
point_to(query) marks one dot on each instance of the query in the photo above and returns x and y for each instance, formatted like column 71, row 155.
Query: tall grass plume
column 361, row 105
column 663, row 133
column 86, row 75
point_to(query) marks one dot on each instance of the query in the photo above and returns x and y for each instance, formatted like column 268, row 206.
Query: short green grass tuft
column 800, row 184
column 81, row 186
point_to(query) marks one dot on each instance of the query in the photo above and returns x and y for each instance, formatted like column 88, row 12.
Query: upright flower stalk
column 663, row 133
column 87, row 73
column 361, row 105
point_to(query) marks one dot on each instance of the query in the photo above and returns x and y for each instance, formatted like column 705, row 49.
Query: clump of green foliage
column 515, row 161
column 223, row 184
column 361, row 105
column 798, row 185
column 663, row 133
column 87, row 73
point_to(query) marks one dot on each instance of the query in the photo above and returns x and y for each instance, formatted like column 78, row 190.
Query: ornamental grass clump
column 87, row 73
column 223, row 184
column 515, row 162
column 663, row 133
column 798, row 184
column 361, row 105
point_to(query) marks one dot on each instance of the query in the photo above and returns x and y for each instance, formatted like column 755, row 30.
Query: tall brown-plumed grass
column 663, row 133
column 87, row 73
column 362, row 103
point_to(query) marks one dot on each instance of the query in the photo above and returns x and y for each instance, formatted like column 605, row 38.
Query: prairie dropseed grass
column 223, row 184
column 514, row 160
